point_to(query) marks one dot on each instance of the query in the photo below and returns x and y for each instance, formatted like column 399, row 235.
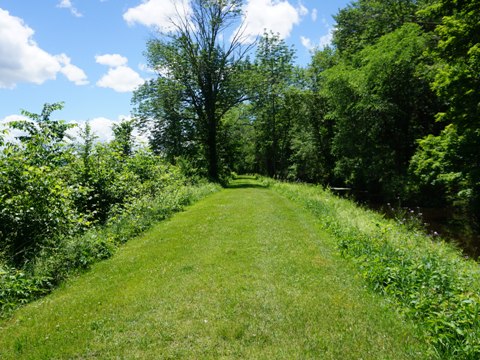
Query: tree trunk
column 212, row 155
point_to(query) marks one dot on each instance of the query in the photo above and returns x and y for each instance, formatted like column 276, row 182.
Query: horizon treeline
column 391, row 107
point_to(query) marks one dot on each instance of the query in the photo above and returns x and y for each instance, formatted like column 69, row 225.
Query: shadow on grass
column 245, row 182
column 245, row 185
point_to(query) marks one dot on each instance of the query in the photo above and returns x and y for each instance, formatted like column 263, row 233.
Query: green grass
column 244, row 273
column 426, row 279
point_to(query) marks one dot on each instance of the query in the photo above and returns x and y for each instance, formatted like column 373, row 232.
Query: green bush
column 53, row 264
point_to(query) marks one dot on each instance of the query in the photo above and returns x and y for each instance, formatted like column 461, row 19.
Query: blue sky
column 89, row 53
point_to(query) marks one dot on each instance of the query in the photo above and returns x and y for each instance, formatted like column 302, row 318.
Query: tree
column 363, row 22
column 123, row 137
column 312, row 132
column 273, row 75
column 194, row 63
column 380, row 107
column 455, row 69
column 169, row 120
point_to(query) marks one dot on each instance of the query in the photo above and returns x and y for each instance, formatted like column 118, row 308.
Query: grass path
column 243, row 274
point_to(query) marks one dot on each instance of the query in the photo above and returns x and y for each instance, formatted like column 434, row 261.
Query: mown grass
column 428, row 280
column 244, row 274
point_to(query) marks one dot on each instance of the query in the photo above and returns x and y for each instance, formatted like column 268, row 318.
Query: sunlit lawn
column 243, row 274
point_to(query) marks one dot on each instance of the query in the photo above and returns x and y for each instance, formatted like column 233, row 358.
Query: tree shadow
column 245, row 185
column 245, row 182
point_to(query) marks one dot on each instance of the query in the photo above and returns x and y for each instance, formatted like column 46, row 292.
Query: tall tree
column 452, row 158
column 380, row 107
column 274, row 73
column 312, row 132
column 363, row 22
column 195, row 62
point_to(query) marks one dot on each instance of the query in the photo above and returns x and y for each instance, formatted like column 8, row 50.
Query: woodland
column 390, row 108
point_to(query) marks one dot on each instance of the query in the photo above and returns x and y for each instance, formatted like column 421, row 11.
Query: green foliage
column 273, row 75
column 64, row 206
column 123, row 140
column 428, row 281
column 36, row 200
column 434, row 166
column 454, row 72
column 312, row 130
column 363, row 22
column 69, row 255
column 379, row 106
column 18, row 288
column 198, row 81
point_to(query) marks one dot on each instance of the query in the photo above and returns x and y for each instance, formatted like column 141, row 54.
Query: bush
column 74, row 254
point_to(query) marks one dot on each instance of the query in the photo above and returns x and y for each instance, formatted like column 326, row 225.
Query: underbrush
column 67, row 256
column 427, row 279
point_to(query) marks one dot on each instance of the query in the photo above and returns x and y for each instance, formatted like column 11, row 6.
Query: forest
column 390, row 109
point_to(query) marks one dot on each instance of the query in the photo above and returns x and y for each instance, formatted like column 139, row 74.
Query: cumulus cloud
column 278, row 16
column 67, row 4
column 112, row 60
column 157, row 13
column 72, row 72
column 102, row 129
column 11, row 133
column 119, row 77
column 314, row 15
column 22, row 60
column 326, row 40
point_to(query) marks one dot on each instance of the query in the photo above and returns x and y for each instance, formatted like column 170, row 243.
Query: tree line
column 391, row 107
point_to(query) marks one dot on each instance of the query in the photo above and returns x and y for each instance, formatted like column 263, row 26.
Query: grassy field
column 244, row 273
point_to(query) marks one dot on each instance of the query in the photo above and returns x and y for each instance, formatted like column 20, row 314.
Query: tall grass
column 73, row 254
column 426, row 279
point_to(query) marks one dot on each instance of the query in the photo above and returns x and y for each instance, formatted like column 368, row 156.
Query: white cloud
column 67, row 4
column 314, row 15
column 22, row 60
column 306, row 42
column 112, row 60
column 324, row 41
column 157, row 13
column 102, row 128
column 278, row 16
column 120, row 77
column 11, row 133
column 302, row 10
column 72, row 72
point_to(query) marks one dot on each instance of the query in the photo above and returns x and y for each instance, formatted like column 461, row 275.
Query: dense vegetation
column 391, row 108
column 66, row 204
